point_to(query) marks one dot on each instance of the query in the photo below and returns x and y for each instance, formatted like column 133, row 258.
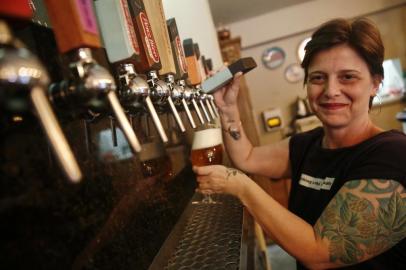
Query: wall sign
column 273, row 57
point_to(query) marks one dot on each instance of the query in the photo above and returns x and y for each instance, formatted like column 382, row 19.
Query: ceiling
column 229, row 11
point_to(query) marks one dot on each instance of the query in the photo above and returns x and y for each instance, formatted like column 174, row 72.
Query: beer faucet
column 126, row 52
column 206, row 99
column 214, row 107
column 22, row 77
column 200, row 98
column 162, row 91
column 134, row 90
column 90, row 83
column 189, row 96
column 161, row 95
column 181, row 69
column 178, row 98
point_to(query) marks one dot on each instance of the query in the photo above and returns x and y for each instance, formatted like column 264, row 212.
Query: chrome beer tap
column 23, row 78
column 190, row 98
column 134, row 92
column 178, row 98
column 213, row 105
column 89, row 86
column 162, row 96
column 206, row 99
column 199, row 98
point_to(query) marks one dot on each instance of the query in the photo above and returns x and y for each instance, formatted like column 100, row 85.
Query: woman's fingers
column 206, row 170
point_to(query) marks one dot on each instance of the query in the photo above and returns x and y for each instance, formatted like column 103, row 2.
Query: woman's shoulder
column 391, row 138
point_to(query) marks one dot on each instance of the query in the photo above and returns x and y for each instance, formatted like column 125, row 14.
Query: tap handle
column 149, row 54
column 208, row 105
column 74, row 24
column 55, row 135
column 176, row 114
column 197, row 110
column 157, row 20
column 16, row 9
column 123, row 122
column 177, row 49
column 195, row 76
column 204, row 109
column 188, row 113
column 155, row 119
column 214, row 106
column 117, row 29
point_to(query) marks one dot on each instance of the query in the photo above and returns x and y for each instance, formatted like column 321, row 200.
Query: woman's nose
column 332, row 87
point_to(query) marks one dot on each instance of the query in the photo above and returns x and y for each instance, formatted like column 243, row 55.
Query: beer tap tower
column 126, row 52
column 205, row 73
column 195, row 76
column 23, row 78
column 148, row 25
column 181, row 69
column 76, row 33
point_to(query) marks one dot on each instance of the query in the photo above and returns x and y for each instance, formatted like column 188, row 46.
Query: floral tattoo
column 232, row 172
column 363, row 220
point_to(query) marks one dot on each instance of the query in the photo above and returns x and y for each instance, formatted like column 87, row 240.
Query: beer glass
column 207, row 149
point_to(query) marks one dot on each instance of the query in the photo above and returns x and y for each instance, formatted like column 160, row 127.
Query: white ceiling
column 229, row 11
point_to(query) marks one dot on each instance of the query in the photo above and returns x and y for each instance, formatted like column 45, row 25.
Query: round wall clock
column 273, row 57
column 294, row 73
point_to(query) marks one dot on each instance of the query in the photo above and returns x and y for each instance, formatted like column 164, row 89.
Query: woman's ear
column 376, row 81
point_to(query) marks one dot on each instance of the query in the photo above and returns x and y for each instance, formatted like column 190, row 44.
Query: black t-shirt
column 318, row 174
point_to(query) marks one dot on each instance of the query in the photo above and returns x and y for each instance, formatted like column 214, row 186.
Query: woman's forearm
column 292, row 233
column 238, row 149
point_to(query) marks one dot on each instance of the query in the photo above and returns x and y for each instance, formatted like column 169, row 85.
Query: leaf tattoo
column 232, row 172
column 359, row 226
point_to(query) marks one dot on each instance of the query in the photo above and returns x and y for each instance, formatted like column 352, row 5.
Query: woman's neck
column 349, row 136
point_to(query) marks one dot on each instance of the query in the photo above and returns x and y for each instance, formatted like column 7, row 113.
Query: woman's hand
column 226, row 96
column 220, row 179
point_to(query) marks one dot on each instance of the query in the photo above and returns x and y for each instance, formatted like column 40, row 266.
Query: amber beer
column 207, row 147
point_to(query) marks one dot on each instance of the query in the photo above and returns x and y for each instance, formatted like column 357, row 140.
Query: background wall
column 287, row 28
column 194, row 21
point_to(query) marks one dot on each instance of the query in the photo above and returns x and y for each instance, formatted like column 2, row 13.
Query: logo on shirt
column 316, row 183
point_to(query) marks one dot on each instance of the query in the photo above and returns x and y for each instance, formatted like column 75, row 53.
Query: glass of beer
column 207, row 149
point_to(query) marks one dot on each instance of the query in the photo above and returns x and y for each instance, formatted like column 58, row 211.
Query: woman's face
column 339, row 87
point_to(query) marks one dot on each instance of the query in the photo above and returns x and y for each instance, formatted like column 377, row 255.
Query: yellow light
column 274, row 122
column 17, row 118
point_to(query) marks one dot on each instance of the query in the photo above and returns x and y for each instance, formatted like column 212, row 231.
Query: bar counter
column 208, row 236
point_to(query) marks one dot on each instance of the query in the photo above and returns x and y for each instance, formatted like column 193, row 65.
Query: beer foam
column 207, row 138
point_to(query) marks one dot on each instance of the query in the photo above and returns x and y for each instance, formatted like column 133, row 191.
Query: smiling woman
column 348, row 199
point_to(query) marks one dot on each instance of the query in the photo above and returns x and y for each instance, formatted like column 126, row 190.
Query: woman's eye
column 348, row 77
column 316, row 79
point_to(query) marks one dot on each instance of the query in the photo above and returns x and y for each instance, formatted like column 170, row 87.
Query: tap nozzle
column 190, row 98
column 93, row 85
column 20, row 72
column 135, row 90
column 199, row 97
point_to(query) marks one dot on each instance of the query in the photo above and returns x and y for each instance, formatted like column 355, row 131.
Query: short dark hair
column 361, row 35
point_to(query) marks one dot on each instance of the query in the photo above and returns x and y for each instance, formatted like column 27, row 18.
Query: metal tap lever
column 199, row 97
column 133, row 91
column 211, row 99
column 177, row 98
column 21, row 71
column 190, row 98
column 161, row 95
column 95, row 82
column 206, row 98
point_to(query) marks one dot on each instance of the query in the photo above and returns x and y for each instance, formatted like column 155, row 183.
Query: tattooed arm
column 364, row 219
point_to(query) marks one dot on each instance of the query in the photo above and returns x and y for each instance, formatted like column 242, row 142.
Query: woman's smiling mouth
column 332, row 106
